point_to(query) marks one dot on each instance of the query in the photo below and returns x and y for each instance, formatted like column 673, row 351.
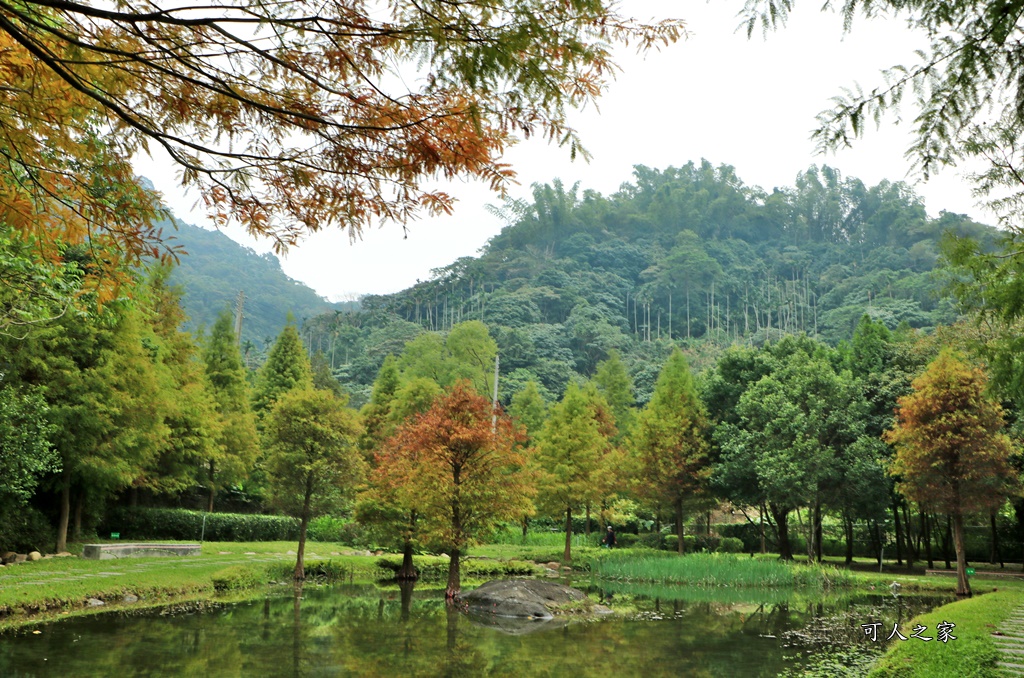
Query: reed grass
column 515, row 537
column 717, row 570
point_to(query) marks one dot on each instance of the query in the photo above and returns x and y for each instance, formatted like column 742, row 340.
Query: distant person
column 609, row 538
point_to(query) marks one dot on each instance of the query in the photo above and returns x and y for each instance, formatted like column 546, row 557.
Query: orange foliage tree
column 288, row 117
column 950, row 454
column 463, row 476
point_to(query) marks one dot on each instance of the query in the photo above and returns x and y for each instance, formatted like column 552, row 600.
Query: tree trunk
column 760, row 519
column 408, row 570
column 405, row 588
column 816, row 515
column 876, row 541
column 899, row 532
column 300, row 566
column 451, row 592
column 586, row 525
column 297, row 629
column 947, row 540
column 679, row 525
column 526, row 527
column 1018, row 512
column 910, row 539
column 963, row 587
column 213, row 487
column 926, row 523
column 995, row 555
column 781, row 516
column 65, row 511
column 76, row 530
column 848, row 533
column 567, row 556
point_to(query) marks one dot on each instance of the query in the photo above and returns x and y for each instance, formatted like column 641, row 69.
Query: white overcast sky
column 747, row 103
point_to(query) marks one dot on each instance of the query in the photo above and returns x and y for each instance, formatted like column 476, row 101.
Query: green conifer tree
column 616, row 386
column 569, row 454
column 236, row 446
column 322, row 377
column 670, row 441
column 529, row 410
column 376, row 414
column 287, row 368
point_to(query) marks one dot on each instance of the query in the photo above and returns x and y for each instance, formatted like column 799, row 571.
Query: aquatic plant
column 717, row 569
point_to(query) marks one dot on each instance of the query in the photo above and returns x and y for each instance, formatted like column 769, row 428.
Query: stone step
column 1008, row 640
column 1016, row 668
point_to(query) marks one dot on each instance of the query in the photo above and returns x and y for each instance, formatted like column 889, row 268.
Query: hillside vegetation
column 216, row 269
column 689, row 255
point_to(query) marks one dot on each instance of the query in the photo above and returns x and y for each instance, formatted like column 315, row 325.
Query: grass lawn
column 56, row 586
column 972, row 654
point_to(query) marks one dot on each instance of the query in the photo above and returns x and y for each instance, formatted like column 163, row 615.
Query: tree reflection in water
column 370, row 631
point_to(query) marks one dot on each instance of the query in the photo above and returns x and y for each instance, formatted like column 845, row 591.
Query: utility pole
column 239, row 303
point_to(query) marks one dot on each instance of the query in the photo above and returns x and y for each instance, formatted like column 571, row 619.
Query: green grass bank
column 972, row 655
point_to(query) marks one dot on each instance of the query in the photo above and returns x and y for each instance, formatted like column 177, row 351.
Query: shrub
column 180, row 524
column 238, row 578
column 651, row 540
column 436, row 567
column 25, row 529
column 626, row 540
column 730, row 545
column 326, row 528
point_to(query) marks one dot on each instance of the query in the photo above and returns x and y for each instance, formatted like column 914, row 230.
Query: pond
column 370, row 631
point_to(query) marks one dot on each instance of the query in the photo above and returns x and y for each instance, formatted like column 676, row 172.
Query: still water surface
column 369, row 631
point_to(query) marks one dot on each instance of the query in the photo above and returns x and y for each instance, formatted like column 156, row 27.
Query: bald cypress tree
column 670, row 441
column 236, row 440
column 287, row 368
column 951, row 454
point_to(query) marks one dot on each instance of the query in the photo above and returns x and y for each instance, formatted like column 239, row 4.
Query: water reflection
column 369, row 631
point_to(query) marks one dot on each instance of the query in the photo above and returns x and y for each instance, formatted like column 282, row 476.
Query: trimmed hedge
column 25, row 529
column 180, row 524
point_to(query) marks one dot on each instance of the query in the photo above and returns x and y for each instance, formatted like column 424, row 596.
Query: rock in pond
column 521, row 598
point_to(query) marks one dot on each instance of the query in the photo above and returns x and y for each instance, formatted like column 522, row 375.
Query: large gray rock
column 34, row 556
column 521, row 598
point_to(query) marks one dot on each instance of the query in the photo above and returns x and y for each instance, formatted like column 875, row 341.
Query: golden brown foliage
column 287, row 116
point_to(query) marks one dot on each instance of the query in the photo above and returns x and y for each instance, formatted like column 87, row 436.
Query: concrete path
column 1010, row 641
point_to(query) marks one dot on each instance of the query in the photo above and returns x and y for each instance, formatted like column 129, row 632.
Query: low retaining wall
column 114, row 551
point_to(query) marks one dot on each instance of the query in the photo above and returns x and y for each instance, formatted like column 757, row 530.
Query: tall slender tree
column 613, row 381
column 569, row 453
column 313, row 461
column 287, row 367
column 237, row 441
column 951, row 455
column 466, row 474
column 671, row 441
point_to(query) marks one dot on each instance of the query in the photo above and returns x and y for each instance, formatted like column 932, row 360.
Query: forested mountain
column 217, row 268
column 687, row 255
